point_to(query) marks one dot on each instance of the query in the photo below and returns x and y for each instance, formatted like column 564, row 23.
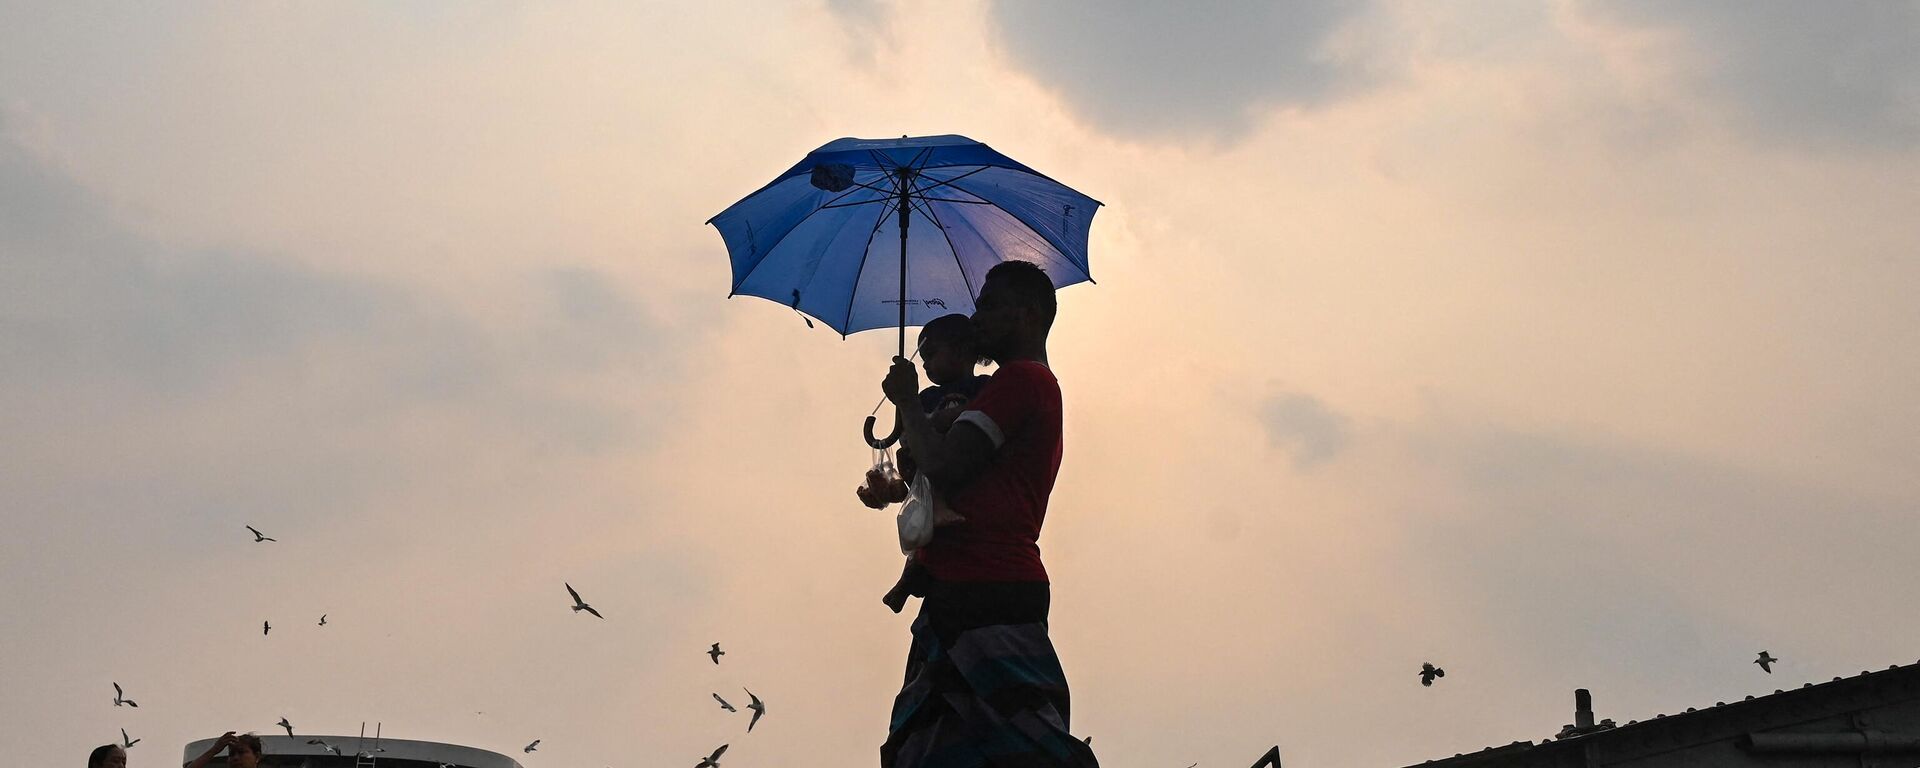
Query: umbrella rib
column 848, row 193
column 848, row 322
column 951, row 200
column 951, row 248
column 932, row 187
column 862, row 185
column 880, row 161
column 776, row 243
column 850, row 205
column 919, row 204
column 1036, row 230
column 911, row 164
column 919, row 159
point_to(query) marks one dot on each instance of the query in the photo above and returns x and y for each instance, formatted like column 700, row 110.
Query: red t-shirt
column 1019, row 409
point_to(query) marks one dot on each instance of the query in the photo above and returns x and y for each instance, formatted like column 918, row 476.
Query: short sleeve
column 1008, row 403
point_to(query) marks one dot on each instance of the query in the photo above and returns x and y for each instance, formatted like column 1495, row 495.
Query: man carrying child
column 948, row 354
column 983, row 684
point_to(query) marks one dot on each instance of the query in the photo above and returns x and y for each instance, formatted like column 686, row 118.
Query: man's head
column 245, row 752
column 947, row 349
column 107, row 756
column 1014, row 311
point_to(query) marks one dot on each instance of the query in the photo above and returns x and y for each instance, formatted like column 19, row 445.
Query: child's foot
column 896, row 598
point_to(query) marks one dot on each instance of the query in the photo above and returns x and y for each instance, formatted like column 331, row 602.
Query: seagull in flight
column 258, row 536
column 324, row 745
column 723, row 703
column 531, row 747
column 1766, row 662
column 323, row 619
column 265, row 627
column 289, row 726
column 117, row 701
column 581, row 605
column 758, row 708
column 128, row 742
column 1428, row 672
column 715, row 653
column 713, row 760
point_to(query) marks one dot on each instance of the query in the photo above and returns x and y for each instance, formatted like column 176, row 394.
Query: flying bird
column 258, row 536
column 715, row 653
column 723, row 703
column 1428, row 672
column 324, row 745
column 530, row 747
column 266, row 627
column 117, row 701
column 128, row 743
column 289, row 726
column 1765, row 662
column 758, row 708
column 323, row 619
column 713, row 760
column 581, row 605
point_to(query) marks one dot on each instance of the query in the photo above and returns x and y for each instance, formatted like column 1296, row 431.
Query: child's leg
column 913, row 583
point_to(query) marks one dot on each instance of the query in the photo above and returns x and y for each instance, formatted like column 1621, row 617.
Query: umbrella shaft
column 903, row 263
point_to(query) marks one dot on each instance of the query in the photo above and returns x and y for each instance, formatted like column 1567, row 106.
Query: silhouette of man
column 982, row 674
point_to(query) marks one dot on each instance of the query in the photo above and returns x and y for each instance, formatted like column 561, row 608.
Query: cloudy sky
column 1560, row 343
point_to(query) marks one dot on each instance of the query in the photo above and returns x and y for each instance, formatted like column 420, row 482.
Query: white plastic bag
column 915, row 520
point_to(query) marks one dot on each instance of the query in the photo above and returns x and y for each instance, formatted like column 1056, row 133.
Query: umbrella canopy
column 877, row 233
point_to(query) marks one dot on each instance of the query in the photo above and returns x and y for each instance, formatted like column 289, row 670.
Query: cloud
column 84, row 299
column 1836, row 73
column 1305, row 427
column 1177, row 70
column 192, row 382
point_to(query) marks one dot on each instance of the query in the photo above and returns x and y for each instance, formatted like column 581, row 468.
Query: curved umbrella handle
column 880, row 442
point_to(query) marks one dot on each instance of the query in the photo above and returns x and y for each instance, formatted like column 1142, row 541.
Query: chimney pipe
column 1582, row 708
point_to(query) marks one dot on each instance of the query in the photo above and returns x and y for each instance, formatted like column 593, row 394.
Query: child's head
column 947, row 349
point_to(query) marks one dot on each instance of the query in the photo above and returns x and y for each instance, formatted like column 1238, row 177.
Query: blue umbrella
column 820, row 238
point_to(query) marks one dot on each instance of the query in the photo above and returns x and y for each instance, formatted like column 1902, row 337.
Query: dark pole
column 904, row 174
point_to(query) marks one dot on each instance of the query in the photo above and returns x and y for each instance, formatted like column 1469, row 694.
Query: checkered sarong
column 992, row 695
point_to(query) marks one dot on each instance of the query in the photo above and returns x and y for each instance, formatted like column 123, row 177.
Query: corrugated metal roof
column 1723, row 720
